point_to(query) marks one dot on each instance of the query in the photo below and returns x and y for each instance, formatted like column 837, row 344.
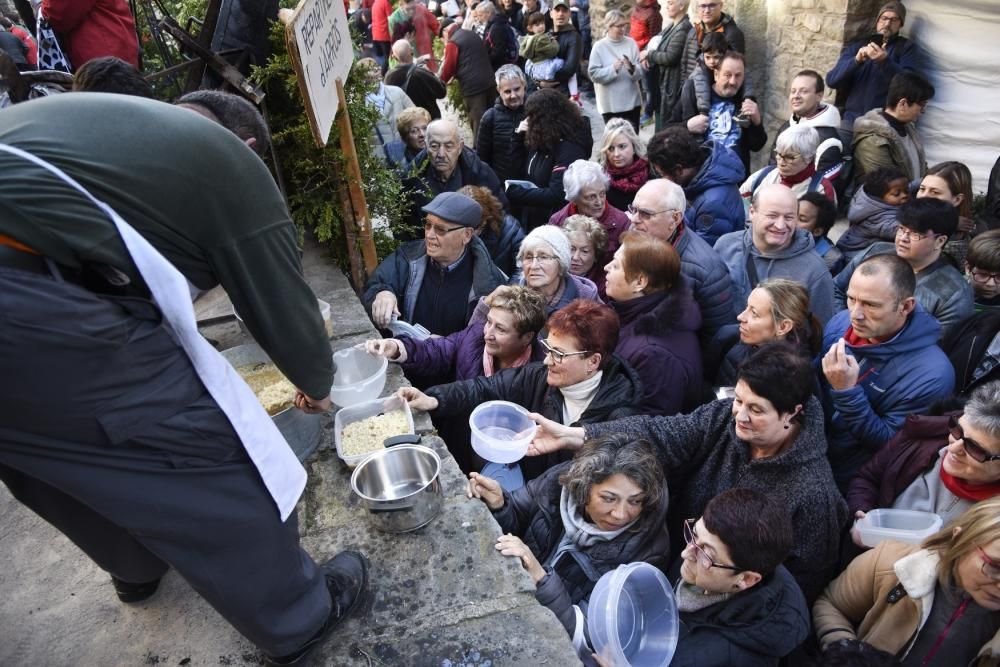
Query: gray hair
column 443, row 125
column 670, row 196
column 508, row 72
column 620, row 126
column 801, row 139
column 486, row 7
column 983, row 408
column 616, row 454
column 594, row 231
column 582, row 173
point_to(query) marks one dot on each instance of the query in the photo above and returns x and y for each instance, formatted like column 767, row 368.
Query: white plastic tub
column 907, row 526
column 358, row 376
column 501, row 431
column 356, row 413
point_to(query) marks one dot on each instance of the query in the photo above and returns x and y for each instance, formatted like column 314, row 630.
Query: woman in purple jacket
column 659, row 323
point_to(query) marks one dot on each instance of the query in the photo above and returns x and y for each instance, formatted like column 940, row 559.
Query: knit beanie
column 893, row 6
column 553, row 237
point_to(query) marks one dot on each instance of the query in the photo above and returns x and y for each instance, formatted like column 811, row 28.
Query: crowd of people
column 669, row 308
column 721, row 389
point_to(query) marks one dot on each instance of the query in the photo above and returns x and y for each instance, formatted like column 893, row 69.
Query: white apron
column 283, row 475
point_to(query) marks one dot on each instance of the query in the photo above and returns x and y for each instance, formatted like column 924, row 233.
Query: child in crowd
column 873, row 210
column 713, row 47
column 539, row 50
column 983, row 264
column 817, row 214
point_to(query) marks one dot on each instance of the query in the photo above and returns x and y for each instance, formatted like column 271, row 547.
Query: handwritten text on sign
column 323, row 41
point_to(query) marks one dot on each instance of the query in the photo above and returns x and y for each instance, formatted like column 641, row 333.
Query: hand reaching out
column 486, row 489
column 553, row 436
column 509, row 545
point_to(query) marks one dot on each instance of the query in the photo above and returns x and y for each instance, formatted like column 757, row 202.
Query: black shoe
column 346, row 579
column 131, row 593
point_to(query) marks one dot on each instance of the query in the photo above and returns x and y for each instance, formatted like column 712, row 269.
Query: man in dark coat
column 419, row 83
column 498, row 143
column 467, row 60
column 711, row 18
column 497, row 34
column 570, row 46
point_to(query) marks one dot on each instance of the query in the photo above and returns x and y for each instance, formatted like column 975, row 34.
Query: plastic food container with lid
column 632, row 617
column 501, row 431
column 361, row 411
column 908, row 526
column 357, row 376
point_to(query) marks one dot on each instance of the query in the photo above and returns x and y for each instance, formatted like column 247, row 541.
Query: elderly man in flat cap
column 865, row 68
column 436, row 281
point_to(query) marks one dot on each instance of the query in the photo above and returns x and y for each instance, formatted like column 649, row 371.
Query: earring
column 787, row 426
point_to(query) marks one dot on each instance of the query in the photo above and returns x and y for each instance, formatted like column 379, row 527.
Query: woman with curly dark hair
column 500, row 232
column 557, row 134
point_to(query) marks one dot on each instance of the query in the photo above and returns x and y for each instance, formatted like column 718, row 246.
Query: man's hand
column 751, row 111
column 698, row 124
column 862, row 55
column 486, row 489
column 417, row 399
column 839, row 367
column 553, row 436
column 509, row 545
column 311, row 405
column 383, row 308
column 876, row 53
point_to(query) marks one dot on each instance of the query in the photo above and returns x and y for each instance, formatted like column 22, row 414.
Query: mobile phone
column 877, row 38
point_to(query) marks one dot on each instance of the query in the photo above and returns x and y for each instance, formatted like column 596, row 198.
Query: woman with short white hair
column 623, row 156
column 615, row 70
column 586, row 186
column 795, row 153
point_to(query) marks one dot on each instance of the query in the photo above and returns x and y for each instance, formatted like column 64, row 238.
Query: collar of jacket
column 918, row 573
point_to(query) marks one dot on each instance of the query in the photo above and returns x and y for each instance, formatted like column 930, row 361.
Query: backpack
column 510, row 54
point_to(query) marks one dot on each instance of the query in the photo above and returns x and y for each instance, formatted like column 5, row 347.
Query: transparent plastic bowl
column 358, row 376
column 907, row 526
column 501, row 431
column 362, row 411
column 632, row 617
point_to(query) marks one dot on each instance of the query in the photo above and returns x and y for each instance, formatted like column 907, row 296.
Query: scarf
column 794, row 179
column 578, row 396
column 557, row 297
column 630, row 178
column 692, row 598
column 489, row 369
column 580, row 532
column 966, row 491
column 855, row 340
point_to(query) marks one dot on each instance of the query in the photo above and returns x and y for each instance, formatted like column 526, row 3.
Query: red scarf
column 630, row 178
column 794, row 179
column 854, row 340
column 966, row 491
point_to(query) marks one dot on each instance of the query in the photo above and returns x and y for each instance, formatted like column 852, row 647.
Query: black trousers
column 107, row 433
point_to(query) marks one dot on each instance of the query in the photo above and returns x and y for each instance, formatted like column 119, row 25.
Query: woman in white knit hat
column 543, row 264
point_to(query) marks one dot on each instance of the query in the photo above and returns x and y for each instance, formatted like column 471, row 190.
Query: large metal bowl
column 302, row 431
column 399, row 487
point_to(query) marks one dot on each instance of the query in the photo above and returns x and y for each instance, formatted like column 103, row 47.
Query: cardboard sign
column 319, row 43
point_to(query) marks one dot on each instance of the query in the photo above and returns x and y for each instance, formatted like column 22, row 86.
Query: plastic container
column 356, row 413
column 501, row 431
column 632, row 617
column 907, row 526
column 358, row 376
column 414, row 331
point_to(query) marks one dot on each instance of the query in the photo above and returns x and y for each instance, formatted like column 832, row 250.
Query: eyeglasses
column 971, row 447
column 559, row 356
column 707, row 7
column 985, row 276
column 905, row 233
column 787, row 157
column 990, row 567
column 644, row 214
column 541, row 259
column 703, row 558
column 620, row 26
column 439, row 230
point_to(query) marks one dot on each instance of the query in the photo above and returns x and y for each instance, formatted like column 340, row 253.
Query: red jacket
column 380, row 20
column 646, row 22
column 93, row 28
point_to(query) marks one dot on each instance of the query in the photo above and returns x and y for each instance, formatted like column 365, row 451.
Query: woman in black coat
column 581, row 519
column 580, row 380
column 557, row 135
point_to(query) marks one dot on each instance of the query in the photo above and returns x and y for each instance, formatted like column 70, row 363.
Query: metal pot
column 399, row 487
column 302, row 431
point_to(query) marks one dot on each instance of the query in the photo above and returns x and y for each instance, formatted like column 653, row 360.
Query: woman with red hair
column 580, row 380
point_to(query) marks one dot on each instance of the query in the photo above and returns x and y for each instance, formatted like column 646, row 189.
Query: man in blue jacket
column 710, row 174
column 865, row 68
column 882, row 364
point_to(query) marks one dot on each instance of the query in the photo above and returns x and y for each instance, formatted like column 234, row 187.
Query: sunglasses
column 975, row 451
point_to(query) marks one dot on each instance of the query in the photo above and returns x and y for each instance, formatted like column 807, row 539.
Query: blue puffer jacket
column 714, row 204
column 754, row 628
column 707, row 276
column 901, row 376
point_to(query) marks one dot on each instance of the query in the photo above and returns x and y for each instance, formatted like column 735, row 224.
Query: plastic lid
column 414, row 331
